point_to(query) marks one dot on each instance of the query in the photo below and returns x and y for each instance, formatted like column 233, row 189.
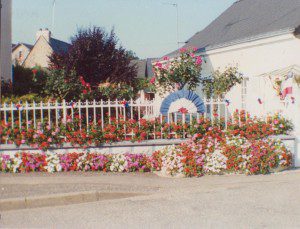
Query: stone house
column 20, row 52
column 44, row 46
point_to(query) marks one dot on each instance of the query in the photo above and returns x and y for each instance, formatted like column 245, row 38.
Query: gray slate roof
column 144, row 67
column 58, row 46
column 29, row 46
column 248, row 19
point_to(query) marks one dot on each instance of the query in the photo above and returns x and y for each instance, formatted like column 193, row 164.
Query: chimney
column 43, row 32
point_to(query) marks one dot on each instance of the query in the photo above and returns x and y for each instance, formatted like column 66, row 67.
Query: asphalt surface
column 231, row 201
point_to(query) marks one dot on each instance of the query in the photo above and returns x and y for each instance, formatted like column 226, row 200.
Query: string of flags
column 73, row 105
column 125, row 104
column 19, row 106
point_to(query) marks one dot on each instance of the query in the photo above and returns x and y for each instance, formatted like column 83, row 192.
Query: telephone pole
column 0, row 55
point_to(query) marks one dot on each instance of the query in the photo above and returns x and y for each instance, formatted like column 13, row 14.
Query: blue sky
column 147, row 27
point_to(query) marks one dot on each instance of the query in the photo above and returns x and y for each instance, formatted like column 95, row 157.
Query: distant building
column 5, row 40
column 43, row 48
column 20, row 52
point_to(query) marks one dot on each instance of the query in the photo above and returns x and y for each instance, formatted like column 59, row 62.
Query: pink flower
column 158, row 64
column 276, row 121
column 166, row 58
column 48, row 127
column 23, row 141
column 49, row 139
column 182, row 50
column 198, row 60
column 152, row 80
column 35, row 136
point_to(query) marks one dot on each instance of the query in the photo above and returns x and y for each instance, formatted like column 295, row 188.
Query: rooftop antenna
column 53, row 15
column 177, row 18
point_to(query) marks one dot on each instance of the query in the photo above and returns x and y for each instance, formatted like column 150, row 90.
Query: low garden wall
column 144, row 147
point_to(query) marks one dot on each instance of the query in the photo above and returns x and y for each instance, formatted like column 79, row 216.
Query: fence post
column 87, row 114
column 42, row 112
column 12, row 114
column 117, row 112
column 64, row 111
column 34, row 114
column 20, row 116
column 49, row 113
column 94, row 107
column 79, row 113
column 56, row 116
column 102, row 118
column 109, row 111
column 4, row 111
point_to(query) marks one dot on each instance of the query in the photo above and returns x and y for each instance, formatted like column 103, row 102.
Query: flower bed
column 197, row 157
column 44, row 135
column 226, row 154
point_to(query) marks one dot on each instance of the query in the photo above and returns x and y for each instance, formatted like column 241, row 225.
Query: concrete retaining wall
column 147, row 147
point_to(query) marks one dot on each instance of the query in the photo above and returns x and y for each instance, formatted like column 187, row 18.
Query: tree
column 97, row 57
column 220, row 83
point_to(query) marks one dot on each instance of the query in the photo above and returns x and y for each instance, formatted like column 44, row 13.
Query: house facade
column 20, row 52
column 5, row 40
column 261, row 38
column 44, row 46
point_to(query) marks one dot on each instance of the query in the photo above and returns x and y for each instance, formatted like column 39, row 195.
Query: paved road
column 233, row 201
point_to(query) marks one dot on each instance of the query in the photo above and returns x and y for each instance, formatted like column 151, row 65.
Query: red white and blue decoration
column 182, row 101
column 287, row 86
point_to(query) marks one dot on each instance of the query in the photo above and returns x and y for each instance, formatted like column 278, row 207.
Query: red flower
column 34, row 71
column 152, row 80
column 183, row 110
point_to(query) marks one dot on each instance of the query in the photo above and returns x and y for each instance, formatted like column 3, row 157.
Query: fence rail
column 101, row 113
column 93, row 111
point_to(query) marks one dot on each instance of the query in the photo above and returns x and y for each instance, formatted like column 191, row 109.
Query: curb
column 60, row 199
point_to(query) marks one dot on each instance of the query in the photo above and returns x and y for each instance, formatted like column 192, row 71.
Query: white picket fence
column 94, row 111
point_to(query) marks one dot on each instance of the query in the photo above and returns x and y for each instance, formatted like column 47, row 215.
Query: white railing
column 98, row 112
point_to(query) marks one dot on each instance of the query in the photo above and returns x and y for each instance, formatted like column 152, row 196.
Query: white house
column 5, row 40
column 262, row 38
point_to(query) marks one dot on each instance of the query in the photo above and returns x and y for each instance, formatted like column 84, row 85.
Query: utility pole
column 0, row 57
